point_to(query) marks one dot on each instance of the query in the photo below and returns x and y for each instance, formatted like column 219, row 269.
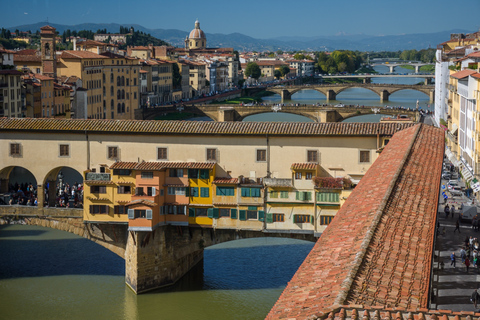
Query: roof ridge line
column 348, row 281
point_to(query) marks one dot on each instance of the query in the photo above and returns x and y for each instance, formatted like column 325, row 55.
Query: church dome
column 197, row 33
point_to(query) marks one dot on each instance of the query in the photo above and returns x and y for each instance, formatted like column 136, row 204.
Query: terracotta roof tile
column 377, row 251
column 463, row 74
column 124, row 165
column 142, row 201
column 304, row 166
column 225, row 181
column 97, row 182
column 201, row 127
column 76, row 54
column 161, row 165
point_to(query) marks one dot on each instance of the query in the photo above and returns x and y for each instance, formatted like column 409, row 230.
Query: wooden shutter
column 210, row 212
column 191, row 212
column 216, row 213
column 233, row 213
column 269, row 218
column 308, row 196
column 243, row 215
column 245, row 192
column 261, row 215
column 154, row 191
column 131, row 214
column 149, row 214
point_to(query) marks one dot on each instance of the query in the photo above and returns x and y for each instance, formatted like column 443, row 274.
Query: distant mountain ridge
column 241, row 42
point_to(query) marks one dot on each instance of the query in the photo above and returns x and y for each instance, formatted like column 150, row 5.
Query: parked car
column 446, row 176
column 456, row 191
column 452, row 183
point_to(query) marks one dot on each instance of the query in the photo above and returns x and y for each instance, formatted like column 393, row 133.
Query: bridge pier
column 331, row 95
column 428, row 81
column 285, row 94
column 417, row 69
column 367, row 80
column 432, row 96
column 384, row 95
column 391, row 68
column 226, row 115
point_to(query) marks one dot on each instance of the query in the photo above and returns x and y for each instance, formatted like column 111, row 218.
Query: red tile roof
column 304, row 166
column 76, row 54
column 462, row 74
column 124, row 165
column 142, row 201
column 377, row 251
column 225, row 181
column 201, row 127
column 161, row 165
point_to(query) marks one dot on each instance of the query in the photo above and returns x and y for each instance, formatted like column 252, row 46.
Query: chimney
column 74, row 43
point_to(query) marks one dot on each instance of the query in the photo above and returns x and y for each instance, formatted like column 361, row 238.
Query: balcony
column 95, row 176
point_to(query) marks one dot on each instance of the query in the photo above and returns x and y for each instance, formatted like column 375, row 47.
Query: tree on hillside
column 277, row 74
column 253, row 70
column 176, row 77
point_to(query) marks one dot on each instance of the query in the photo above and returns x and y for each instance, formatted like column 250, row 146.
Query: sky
column 261, row 19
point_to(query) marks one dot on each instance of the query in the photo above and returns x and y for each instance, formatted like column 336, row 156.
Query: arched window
column 118, row 81
column 123, row 94
column 119, row 94
column 111, row 104
column 47, row 50
column 103, row 77
column 128, row 82
column 104, row 91
column 123, row 81
column 123, row 107
column 119, row 108
column 111, row 77
column 111, row 91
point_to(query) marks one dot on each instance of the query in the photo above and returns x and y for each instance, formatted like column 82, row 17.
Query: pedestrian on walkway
column 446, row 210
column 452, row 211
column 468, row 252
column 467, row 264
column 463, row 254
column 475, row 298
column 467, row 241
column 457, row 226
column 452, row 258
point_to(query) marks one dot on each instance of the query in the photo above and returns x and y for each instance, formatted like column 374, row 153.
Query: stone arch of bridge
column 310, row 116
column 52, row 180
column 373, row 89
column 20, row 175
column 424, row 91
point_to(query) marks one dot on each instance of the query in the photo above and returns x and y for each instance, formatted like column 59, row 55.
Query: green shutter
column 261, row 215
column 233, row 213
column 204, row 174
column 284, row 194
column 308, row 196
column 194, row 191
column 297, row 196
column 191, row 212
column 294, row 218
column 252, row 208
column 245, row 192
column 204, row 192
column 210, row 212
column 336, row 197
column 312, row 220
column 220, row 191
column 269, row 218
column 256, row 192
column 243, row 215
column 187, row 192
column 216, row 213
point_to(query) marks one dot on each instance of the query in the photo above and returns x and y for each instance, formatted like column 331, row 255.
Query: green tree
column 253, row 70
column 176, row 76
column 277, row 74
column 284, row 70
column 299, row 56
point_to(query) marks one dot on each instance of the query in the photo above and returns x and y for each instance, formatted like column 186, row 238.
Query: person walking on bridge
column 457, row 226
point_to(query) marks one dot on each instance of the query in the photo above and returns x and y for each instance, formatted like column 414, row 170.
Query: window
column 112, row 153
column 102, row 209
column 124, row 189
column 98, row 189
column 64, row 150
column 308, row 175
column 139, row 191
column 274, row 194
column 326, row 219
column 261, row 155
column 122, row 172
column 211, row 154
column 312, row 156
column 364, row 156
column 175, row 173
column 147, row 174
column 151, row 191
column 15, row 150
column 275, row 217
column 140, row 214
column 176, row 191
column 204, row 174
column 386, row 141
column 162, row 154
column 303, row 196
column 284, row 194
column 194, row 191
column 328, row 197
column 251, row 192
column 225, row 191
column 298, row 175
column 252, row 214
column 169, row 209
column 302, row 218
column 204, row 192
column 120, row 210
column 201, row 212
column 193, row 173
column 224, row 212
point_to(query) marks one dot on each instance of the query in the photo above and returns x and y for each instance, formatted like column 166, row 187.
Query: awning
column 454, row 128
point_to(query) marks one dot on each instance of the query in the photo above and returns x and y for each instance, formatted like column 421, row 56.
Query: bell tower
column 49, row 59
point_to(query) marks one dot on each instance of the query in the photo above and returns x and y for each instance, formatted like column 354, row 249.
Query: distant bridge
column 368, row 77
column 332, row 90
column 235, row 112
column 393, row 65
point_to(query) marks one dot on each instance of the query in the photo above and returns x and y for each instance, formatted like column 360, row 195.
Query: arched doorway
column 17, row 186
column 63, row 187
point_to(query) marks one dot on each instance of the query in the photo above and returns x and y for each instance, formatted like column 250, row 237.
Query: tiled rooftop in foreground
column 376, row 254
column 200, row 127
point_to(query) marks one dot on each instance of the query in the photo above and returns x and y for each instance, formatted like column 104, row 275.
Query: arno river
column 50, row 274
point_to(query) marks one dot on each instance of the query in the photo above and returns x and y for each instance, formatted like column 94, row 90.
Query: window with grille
column 284, row 194
column 278, row 217
column 364, row 156
column 124, row 189
column 122, row 172
column 64, row 150
column 302, row 218
column 224, row 212
column 308, row 175
column 312, row 156
column 147, row 174
column 15, row 149
column 325, row 219
column 211, row 154
column 225, row 191
column 204, row 192
column 298, row 175
column 113, row 153
column 99, row 209
column 98, row 189
column 175, row 173
column 120, row 209
column 162, row 153
column 261, row 155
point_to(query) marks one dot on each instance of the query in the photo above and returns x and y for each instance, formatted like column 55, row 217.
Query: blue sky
column 259, row 19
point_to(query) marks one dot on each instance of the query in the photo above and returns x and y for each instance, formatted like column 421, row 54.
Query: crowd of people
column 66, row 195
